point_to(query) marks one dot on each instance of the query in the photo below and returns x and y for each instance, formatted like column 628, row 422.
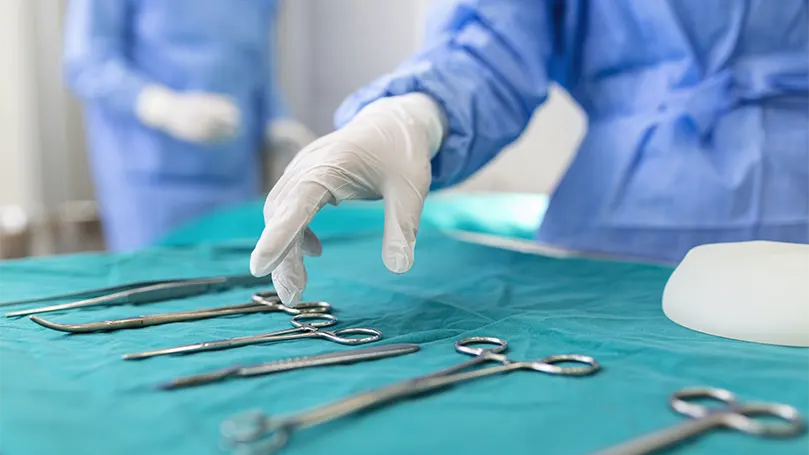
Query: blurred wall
column 367, row 39
column 42, row 157
column 79, row 184
column 16, row 115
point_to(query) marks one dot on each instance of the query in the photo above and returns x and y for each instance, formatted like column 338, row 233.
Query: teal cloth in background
column 71, row 394
column 505, row 214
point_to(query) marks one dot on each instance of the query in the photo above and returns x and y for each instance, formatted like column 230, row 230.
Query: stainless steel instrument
column 142, row 292
column 730, row 414
column 256, row 433
column 332, row 358
column 301, row 329
column 263, row 302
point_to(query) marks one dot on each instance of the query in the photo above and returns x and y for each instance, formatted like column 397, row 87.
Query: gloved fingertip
column 289, row 295
column 398, row 259
column 265, row 256
column 262, row 264
column 258, row 266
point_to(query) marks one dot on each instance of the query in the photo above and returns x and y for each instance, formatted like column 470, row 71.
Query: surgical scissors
column 301, row 329
column 732, row 414
column 272, row 434
column 263, row 302
column 142, row 292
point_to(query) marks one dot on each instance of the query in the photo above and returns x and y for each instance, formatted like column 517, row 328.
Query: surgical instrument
column 301, row 329
column 332, row 358
column 266, row 306
column 144, row 292
column 732, row 415
column 272, row 434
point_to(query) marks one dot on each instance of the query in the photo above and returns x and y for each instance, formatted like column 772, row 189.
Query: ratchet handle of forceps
column 312, row 329
column 736, row 415
column 587, row 364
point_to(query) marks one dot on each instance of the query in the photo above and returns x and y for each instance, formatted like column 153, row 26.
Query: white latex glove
column 385, row 151
column 191, row 116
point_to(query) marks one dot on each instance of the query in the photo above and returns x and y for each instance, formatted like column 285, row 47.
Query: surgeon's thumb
column 403, row 208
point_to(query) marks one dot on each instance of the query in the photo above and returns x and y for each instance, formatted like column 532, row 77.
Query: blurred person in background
column 698, row 127
column 180, row 99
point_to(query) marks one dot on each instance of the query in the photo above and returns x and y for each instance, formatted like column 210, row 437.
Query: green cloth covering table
column 71, row 394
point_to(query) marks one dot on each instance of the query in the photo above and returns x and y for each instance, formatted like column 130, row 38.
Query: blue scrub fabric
column 147, row 181
column 72, row 394
column 698, row 114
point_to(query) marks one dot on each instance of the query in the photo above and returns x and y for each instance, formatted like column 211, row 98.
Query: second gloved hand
column 193, row 116
column 385, row 151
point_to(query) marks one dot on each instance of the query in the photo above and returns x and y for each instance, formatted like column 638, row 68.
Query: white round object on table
column 753, row 291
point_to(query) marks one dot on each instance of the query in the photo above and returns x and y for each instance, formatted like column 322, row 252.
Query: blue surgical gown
column 697, row 113
column 149, row 182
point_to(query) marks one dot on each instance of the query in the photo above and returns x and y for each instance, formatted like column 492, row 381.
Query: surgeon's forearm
column 486, row 65
column 109, row 84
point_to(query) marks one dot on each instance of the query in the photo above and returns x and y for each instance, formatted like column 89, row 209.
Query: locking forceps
column 301, row 329
column 263, row 302
column 256, row 433
column 142, row 292
column 731, row 414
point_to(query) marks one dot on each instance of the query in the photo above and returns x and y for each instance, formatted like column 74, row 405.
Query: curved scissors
column 301, row 329
column 263, row 302
column 268, row 434
column 730, row 414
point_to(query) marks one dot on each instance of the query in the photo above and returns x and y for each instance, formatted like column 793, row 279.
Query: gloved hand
column 193, row 116
column 385, row 151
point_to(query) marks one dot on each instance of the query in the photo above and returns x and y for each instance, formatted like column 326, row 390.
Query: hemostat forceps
column 143, row 292
column 301, row 329
column 263, row 302
column 730, row 414
column 262, row 434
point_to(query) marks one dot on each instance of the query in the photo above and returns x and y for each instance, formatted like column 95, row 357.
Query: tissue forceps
column 277, row 366
column 142, row 292
column 301, row 329
column 265, row 434
column 732, row 415
column 263, row 302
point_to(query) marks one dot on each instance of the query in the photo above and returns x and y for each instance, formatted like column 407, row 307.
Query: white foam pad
column 753, row 291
